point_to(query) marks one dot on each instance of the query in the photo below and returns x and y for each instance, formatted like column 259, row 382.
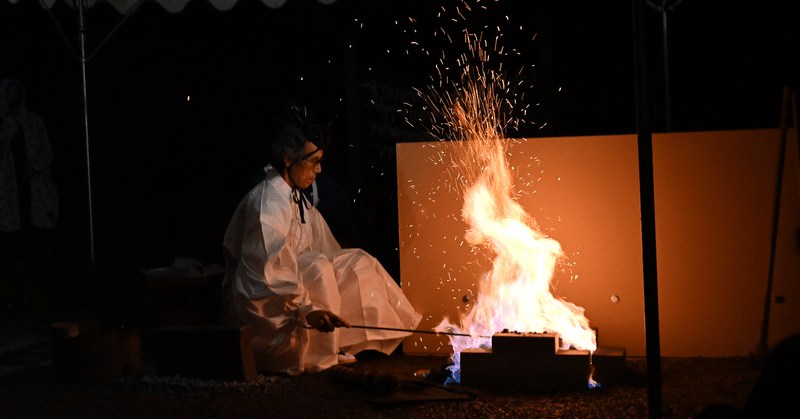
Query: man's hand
column 325, row 321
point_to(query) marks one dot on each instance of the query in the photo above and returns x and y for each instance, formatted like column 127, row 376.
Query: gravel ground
column 28, row 389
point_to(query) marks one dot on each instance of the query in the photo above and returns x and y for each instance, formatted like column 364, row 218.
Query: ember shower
column 515, row 294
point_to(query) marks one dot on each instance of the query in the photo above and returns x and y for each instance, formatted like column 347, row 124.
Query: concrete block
column 211, row 352
column 609, row 365
column 562, row 372
column 533, row 361
column 523, row 363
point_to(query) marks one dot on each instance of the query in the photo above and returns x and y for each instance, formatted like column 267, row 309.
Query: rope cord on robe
column 299, row 198
column 430, row 332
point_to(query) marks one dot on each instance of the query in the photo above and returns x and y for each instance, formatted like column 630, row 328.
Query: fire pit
column 535, row 361
column 516, row 292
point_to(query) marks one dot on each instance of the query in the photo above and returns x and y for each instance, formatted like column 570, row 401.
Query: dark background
column 167, row 172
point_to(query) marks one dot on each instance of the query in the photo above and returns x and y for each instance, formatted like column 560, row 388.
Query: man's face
column 304, row 172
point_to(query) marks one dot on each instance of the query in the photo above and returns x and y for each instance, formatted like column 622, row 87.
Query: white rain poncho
column 279, row 269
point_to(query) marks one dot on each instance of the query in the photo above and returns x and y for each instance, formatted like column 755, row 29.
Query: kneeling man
column 288, row 278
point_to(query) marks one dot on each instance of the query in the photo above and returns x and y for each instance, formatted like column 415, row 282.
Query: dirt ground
column 29, row 389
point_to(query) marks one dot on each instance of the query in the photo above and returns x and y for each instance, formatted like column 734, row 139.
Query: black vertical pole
column 646, row 196
column 763, row 347
column 82, row 30
column 667, row 106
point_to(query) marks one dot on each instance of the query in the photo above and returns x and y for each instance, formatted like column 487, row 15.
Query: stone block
column 533, row 361
column 566, row 371
column 609, row 365
column 525, row 362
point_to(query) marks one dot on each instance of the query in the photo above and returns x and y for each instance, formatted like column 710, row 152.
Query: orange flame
column 515, row 293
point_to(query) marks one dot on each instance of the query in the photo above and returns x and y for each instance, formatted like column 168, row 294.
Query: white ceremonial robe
column 44, row 193
column 278, row 270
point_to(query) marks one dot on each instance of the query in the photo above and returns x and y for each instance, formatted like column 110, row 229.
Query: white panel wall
column 714, row 206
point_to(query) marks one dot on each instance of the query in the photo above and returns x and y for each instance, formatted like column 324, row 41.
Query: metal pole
column 763, row 347
column 82, row 31
column 646, row 196
column 667, row 107
column 430, row 332
column 665, row 8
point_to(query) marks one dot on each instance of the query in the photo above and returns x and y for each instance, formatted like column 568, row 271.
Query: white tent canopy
column 172, row 6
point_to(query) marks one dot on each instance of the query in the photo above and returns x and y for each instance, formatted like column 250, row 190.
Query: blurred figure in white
column 28, row 195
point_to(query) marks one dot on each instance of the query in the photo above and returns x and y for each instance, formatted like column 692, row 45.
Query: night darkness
column 181, row 106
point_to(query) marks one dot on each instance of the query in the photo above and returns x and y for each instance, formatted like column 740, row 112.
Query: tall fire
column 515, row 295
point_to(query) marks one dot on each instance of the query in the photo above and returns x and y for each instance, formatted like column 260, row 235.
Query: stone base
column 610, row 366
column 532, row 361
